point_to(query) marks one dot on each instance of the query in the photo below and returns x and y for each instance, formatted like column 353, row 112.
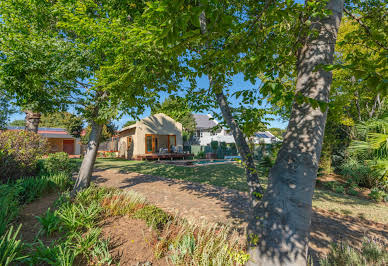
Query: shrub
column 378, row 195
column 56, row 163
column 31, row 188
column 339, row 189
column 9, row 206
column 153, row 216
column 10, row 247
column 50, row 222
column 78, row 217
column 371, row 253
column 61, row 181
column 362, row 174
column 19, row 153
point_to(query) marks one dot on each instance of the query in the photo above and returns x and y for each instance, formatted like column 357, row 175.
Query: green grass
column 232, row 176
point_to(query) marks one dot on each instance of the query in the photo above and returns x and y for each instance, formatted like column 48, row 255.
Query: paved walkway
column 215, row 204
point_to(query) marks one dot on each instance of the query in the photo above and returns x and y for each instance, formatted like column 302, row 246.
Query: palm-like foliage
column 373, row 139
column 373, row 144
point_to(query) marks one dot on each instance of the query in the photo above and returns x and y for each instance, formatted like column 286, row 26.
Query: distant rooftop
column 204, row 121
column 264, row 134
column 56, row 129
column 50, row 132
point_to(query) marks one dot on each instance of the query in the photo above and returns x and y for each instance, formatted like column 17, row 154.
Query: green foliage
column 153, row 216
column 362, row 173
column 178, row 109
column 371, row 253
column 19, row 153
column 129, row 123
column 11, row 248
column 31, row 188
column 200, row 155
column 100, row 253
column 50, row 222
column 378, row 195
column 18, row 123
column 56, row 163
column 9, row 202
column 6, row 109
column 76, row 217
column 108, row 130
column 214, row 145
column 93, row 194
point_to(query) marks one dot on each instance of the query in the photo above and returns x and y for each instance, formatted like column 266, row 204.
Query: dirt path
column 27, row 217
column 214, row 204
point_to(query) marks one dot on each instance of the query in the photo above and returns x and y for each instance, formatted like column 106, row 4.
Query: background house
column 205, row 131
column 58, row 139
column 264, row 137
column 149, row 136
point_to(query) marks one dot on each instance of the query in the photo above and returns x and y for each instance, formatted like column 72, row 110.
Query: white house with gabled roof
column 207, row 131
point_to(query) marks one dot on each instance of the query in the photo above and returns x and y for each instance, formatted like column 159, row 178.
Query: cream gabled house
column 155, row 134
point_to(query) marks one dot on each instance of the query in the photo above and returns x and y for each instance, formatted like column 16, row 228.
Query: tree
column 267, row 44
column 38, row 66
column 18, row 123
column 178, row 109
column 129, row 123
column 5, row 111
column 128, row 72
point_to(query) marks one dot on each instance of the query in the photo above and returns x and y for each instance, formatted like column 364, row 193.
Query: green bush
column 50, row 222
column 56, row 163
column 371, row 253
column 153, row 216
column 77, row 217
column 362, row 174
column 19, row 153
column 378, row 195
column 339, row 189
column 31, row 188
column 9, row 206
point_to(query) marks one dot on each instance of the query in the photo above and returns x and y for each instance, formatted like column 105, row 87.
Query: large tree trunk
column 32, row 121
column 85, row 172
column 279, row 231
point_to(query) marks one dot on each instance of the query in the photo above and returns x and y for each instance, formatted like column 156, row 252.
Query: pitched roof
column 204, row 121
column 47, row 131
column 264, row 134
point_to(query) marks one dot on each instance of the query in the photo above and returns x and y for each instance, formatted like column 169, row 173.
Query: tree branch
column 366, row 28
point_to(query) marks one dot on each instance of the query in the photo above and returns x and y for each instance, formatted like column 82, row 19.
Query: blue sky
column 238, row 83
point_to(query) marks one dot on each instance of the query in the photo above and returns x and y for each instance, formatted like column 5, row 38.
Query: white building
column 265, row 137
column 207, row 131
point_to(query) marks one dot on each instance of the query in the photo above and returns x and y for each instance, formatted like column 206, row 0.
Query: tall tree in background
column 128, row 72
column 38, row 67
column 178, row 109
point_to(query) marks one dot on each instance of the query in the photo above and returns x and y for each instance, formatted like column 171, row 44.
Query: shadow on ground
column 218, row 204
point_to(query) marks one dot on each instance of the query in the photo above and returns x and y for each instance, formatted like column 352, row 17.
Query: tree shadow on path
column 218, row 204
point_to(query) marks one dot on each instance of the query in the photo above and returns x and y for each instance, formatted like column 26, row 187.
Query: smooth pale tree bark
column 85, row 172
column 32, row 121
column 279, row 231
column 255, row 189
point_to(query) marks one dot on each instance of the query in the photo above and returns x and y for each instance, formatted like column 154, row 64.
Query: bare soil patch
column 30, row 224
column 132, row 241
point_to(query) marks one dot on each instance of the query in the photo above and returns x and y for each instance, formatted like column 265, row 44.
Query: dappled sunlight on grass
column 233, row 176
column 350, row 205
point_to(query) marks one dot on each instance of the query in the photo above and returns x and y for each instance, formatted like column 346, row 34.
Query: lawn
column 232, row 176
